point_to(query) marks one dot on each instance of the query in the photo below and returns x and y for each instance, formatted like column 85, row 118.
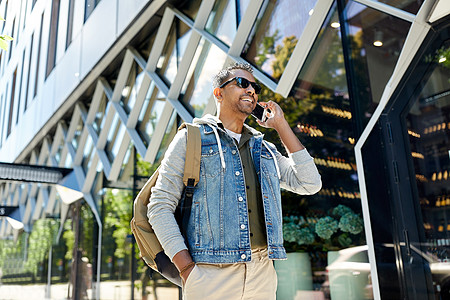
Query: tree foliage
column 4, row 39
column 39, row 242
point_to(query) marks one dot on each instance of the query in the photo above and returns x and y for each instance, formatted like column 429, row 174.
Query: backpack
column 150, row 249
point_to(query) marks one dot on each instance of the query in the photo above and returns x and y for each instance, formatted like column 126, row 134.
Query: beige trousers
column 255, row 280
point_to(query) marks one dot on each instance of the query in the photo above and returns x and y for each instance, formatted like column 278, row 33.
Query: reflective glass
column 68, row 162
column 171, row 130
column 77, row 134
column 324, row 233
column 100, row 114
column 58, row 152
column 279, row 25
column 88, row 154
column 131, row 88
column 167, row 66
column 197, row 88
column 151, row 111
column 411, row 6
column 428, row 128
column 115, row 136
column 374, row 40
column 225, row 18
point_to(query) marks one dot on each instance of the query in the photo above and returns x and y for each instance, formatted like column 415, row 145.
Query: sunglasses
column 243, row 84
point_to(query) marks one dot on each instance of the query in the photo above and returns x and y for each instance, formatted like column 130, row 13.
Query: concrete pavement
column 109, row 290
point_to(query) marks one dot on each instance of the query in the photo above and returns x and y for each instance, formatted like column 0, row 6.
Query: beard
column 245, row 107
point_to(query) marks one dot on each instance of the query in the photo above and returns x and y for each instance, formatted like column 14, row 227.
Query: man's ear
column 217, row 93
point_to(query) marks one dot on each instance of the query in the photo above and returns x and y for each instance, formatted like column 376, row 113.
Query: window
column 5, row 14
column 278, row 28
column 53, row 39
column 28, row 75
column 70, row 23
column 224, row 19
column 20, row 87
column 11, row 44
column 11, row 102
column 89, row 7
column 1, row 125
column 38, row 58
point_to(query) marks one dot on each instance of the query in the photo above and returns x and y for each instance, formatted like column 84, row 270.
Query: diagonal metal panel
column 160, row 40
column 245, row 28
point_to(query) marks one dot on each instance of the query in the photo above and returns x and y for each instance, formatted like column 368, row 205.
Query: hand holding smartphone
column 261, row 113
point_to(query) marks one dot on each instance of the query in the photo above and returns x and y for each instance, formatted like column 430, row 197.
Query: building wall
column 91, row 39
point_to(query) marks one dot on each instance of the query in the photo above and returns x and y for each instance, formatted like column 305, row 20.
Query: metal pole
column 49, row 274
column 133, row 260
column 99, row 260
column 76, row 257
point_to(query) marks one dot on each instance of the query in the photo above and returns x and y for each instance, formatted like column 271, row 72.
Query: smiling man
column 235, row 228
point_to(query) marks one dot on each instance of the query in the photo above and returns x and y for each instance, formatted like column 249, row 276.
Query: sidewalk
column 109, row 290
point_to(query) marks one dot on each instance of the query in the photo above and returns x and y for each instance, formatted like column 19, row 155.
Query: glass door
column 417, row 135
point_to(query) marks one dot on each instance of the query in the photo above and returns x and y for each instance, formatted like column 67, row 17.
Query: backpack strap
column 191, row 175
column 193, row 154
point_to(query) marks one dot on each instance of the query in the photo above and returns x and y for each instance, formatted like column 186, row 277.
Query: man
column 235, row 227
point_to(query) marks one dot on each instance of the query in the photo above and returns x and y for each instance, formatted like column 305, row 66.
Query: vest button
column 237, row 173
column 243, row 256
column 241, row 199
column 233, row 152
column 242, row 226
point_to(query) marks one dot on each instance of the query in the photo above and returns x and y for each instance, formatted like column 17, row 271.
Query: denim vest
column 218, row 229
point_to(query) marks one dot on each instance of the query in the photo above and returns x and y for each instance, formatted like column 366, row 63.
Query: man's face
column 235, row 99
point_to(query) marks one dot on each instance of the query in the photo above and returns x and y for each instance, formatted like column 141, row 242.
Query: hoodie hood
column 213, row 121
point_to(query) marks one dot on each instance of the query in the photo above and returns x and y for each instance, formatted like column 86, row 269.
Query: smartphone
column 260, row 112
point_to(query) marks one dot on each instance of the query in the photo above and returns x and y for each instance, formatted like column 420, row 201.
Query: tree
column 4, row 39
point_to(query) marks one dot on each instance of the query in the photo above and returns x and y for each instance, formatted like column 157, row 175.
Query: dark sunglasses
column 243, row 84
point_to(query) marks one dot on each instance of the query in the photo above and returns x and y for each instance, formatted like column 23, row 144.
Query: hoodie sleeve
column 165, row 196
column 298, row 172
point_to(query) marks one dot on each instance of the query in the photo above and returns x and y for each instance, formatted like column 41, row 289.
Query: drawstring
column 274, row 159
column 219, row 144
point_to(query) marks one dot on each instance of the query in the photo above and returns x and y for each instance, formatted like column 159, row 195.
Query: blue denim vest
column 218, row 229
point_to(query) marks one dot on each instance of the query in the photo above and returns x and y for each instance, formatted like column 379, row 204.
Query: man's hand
column 279, row 123
column 181, row 260
column 276, row 117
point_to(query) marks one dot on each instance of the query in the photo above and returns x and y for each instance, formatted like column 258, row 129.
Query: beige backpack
column 150, row 248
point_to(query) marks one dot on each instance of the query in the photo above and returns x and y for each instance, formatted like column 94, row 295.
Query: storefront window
column 428, row 126
column 197, row 89
column 225, row 18
column 374, row 41
column 324, row 233
column 279, row 23
column 411, row 6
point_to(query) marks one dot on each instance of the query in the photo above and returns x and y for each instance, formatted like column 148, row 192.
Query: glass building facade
column 364, row 84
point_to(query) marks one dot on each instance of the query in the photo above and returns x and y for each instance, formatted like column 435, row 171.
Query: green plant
column 338, row 229
column 298, row 234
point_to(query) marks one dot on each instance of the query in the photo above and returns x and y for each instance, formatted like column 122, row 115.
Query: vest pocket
column 211, row 164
